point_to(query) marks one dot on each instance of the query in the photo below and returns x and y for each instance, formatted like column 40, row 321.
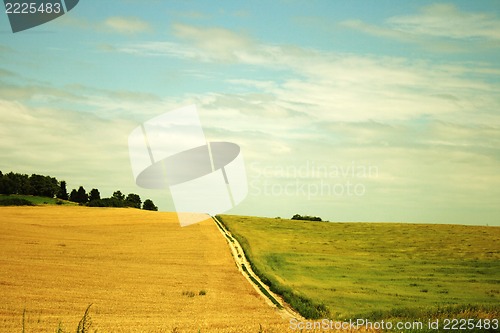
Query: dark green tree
column 63, row 192
column 15, row 183
column 149, row 205
column 73, row 196
column 133, row 200
column 37, row 184
column 22, row 184
column 94, row 195
column 118, row 195
column 44, row 186
column 81, row 196
column 7, row 185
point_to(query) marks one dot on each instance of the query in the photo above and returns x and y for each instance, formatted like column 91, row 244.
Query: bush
column 106, row 202
column 149, row 205
column 15, row 202
column 306, row 218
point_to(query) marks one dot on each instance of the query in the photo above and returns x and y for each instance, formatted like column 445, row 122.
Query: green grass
column 374, row 270
column 15, row 202
column 35, row 200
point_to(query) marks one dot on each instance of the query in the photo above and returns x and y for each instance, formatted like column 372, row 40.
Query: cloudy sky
column 352, row 111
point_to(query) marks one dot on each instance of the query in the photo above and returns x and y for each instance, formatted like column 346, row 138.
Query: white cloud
column 63, row 144
column 446, row 20
column 214, row 44
column 217, row 43
column 377, row 30
column 341, row 87
column 156, row 48
column 438, row 28
column 127, row 25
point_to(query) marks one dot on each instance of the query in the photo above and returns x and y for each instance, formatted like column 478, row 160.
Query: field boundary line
column 272, row 299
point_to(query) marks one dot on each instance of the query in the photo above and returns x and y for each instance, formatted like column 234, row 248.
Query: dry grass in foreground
column 141, row 271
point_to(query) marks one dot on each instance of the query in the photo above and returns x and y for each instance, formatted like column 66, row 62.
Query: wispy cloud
column 4, row 73
column 415, row 119
column 127, row 25
column 218, row 43
column 161, row 48
column 342, row 87
column 61, row 143
column 438, row 28
column 446, row 20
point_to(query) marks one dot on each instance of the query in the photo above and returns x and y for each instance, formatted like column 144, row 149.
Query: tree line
column 46, row 186
column 306, row 218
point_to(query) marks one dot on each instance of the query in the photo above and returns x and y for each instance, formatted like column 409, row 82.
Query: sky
column 384, row 111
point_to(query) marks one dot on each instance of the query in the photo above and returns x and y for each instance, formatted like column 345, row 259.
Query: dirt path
column 286, row 311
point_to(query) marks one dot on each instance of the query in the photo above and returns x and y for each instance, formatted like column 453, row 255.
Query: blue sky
column 353, row 111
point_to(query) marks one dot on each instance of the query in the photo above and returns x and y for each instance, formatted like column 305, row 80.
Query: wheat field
column 140, row 270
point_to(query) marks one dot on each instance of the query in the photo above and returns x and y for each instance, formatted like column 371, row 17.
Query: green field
column 376, row 270
column 36, row 200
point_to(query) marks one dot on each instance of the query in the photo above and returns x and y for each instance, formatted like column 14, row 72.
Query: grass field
column 377, row 270
column 38, row 200
column 140, row 271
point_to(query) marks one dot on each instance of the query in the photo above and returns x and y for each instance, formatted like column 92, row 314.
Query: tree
column 73, row 196
column 81, row 196
column 37, row 184
column 133, row 200
column 63, row 193
column 44, row 186
column 149, row 205
column 94, row 195
column 7, row 185
column 22, row 184
column 118, row 195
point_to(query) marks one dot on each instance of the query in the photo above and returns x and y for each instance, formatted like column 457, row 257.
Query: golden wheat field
column 140, row 270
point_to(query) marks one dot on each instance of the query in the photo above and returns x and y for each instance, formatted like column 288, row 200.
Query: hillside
column 22, row 200
column 375, row 270
column 140, row 271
